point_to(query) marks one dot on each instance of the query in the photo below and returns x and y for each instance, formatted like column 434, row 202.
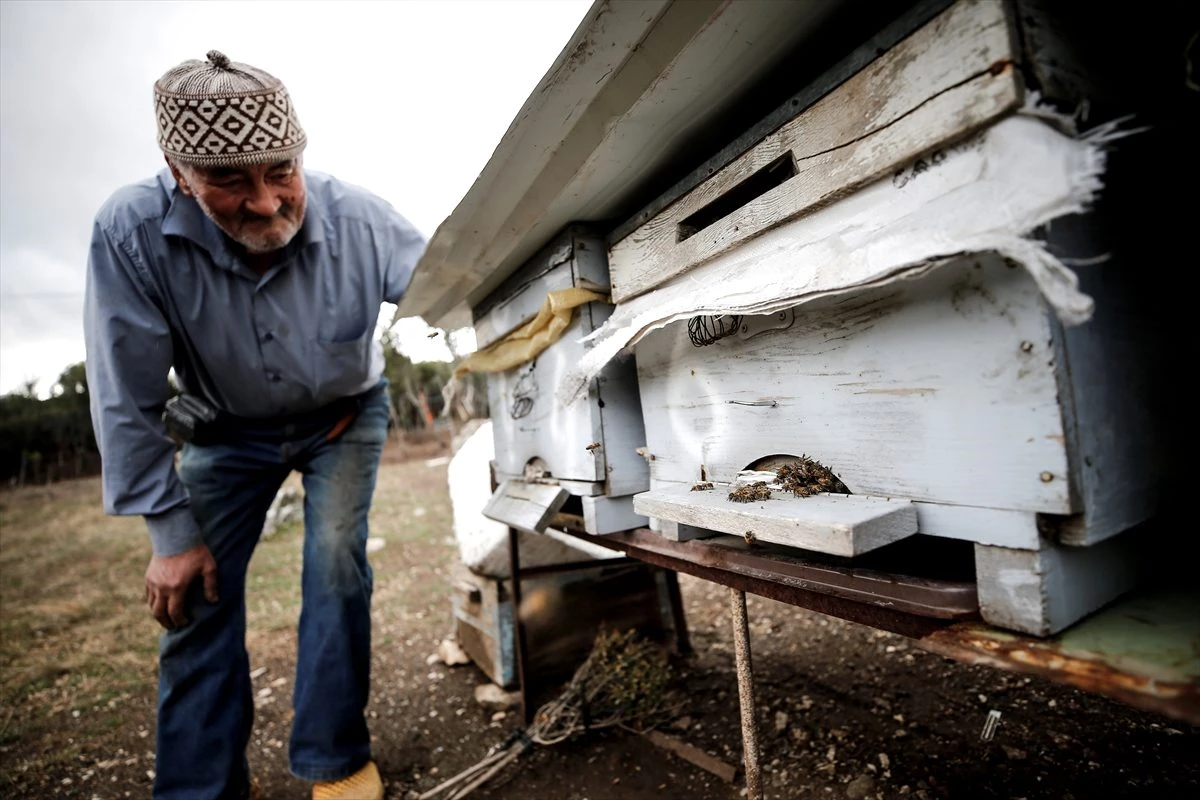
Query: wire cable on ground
column 622, row 683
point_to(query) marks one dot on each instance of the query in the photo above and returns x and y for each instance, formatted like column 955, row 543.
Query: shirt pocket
column 343, row 367
column 348, row 312
column 338, row 328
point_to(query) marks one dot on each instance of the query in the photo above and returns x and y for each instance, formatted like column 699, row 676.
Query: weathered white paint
column 636, row 81
column 993, row 526
column 947, row 79
column 484, row 623
column 941, row 390
column 622, row 429
column 603, row 515
column 528, row 424
column 592, row 442
column 1121, row 367
column 583, row 259
column 483, row 542
column 576, row 488
column 525, row 506
column 679, row 532
column 838, row 524
column 989, row 193
column 1044, row 590
column 582, row 488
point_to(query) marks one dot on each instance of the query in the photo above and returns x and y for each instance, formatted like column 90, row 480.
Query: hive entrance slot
column 758, row 184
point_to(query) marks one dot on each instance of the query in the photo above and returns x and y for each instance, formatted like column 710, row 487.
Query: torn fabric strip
column 528, row 341
column 987, row 194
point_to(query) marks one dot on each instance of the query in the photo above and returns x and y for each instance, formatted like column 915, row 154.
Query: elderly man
column 260, row 284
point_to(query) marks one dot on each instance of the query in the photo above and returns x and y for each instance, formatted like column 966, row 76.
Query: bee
column 807, row 477
column 750, row 493
column 592, row 446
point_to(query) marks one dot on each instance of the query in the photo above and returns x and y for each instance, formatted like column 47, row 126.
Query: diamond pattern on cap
column 229, row 130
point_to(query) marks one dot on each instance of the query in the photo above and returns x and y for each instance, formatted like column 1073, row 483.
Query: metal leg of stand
column 519, row 648
column 683, row 644
column 745, row 677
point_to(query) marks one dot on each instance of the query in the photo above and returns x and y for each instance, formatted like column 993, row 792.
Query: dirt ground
column 843, row 711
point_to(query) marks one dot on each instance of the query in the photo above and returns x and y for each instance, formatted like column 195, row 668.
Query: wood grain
column 603, row 515
column 574, row 258
column 945, row 81
column 1044, row 590
column 838, row 524
column 694, row 755
column 592, row 442
column 944, row 390
column 525, row 506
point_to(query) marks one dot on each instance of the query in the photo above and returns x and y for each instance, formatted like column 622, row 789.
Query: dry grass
column 75, row 639
column 78, row 649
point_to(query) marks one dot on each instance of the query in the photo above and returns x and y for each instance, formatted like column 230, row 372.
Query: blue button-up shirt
column 165, row 288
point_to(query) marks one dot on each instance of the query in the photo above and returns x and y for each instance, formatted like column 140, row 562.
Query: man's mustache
column 285, row 212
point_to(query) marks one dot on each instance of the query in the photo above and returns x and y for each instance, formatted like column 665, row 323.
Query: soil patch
column 843, row 711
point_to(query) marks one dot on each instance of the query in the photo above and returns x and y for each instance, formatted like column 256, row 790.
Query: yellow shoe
column 362, row 785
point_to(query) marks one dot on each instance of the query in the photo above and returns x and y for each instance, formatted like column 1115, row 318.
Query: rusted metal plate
column 907, row 606
column 1143, row 651
column 938, row 599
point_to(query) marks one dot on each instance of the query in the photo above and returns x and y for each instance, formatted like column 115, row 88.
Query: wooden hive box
column 587, row 450
column 954, row 405
column 562, row 612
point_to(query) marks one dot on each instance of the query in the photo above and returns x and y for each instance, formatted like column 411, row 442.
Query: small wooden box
column 562, row 613
column 590, row 447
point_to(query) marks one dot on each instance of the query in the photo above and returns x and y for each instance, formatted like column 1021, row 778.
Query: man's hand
column 168, row 579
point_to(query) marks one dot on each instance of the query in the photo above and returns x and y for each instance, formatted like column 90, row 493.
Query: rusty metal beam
column 1143, row 651
column 766, row 577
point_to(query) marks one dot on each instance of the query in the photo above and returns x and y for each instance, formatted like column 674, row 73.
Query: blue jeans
column 205, row 701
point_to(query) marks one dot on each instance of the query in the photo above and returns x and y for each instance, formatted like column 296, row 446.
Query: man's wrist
column 174, row 532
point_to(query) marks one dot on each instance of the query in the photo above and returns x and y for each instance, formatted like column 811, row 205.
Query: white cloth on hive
column 986, row 193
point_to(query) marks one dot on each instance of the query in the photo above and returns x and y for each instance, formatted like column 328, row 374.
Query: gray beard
column 256, row 245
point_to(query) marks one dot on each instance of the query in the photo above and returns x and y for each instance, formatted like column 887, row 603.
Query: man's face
column 259, row 206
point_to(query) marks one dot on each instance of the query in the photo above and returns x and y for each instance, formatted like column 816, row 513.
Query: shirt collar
column 185, row 218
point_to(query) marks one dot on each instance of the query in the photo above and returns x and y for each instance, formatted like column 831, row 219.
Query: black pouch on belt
column 193, row 419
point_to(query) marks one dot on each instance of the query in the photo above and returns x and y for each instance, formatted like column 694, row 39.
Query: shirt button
column 274, row 377
column 268, row 336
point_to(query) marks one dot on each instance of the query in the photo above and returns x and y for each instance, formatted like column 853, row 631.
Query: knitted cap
column 219, row 113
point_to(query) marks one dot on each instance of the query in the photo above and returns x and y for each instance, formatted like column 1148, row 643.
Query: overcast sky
column 407, row 98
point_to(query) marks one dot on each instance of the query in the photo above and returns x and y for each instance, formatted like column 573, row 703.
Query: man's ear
column 178, row 175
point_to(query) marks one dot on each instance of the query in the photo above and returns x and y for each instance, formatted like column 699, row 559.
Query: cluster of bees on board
column 803, row 477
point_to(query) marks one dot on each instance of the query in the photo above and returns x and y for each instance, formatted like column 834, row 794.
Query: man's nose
column 262, row 200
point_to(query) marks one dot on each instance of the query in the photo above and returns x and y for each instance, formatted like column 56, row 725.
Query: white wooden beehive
column 956, row 404
column 588, row 449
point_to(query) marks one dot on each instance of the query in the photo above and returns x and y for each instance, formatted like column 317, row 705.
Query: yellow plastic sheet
column 526, row 342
